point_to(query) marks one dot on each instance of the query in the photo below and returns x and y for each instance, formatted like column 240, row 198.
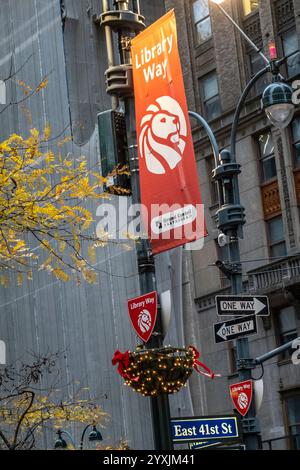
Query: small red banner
column 143, row 312
column 241, row 395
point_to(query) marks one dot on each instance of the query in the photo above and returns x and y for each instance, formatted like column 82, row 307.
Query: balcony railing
column 275, row 275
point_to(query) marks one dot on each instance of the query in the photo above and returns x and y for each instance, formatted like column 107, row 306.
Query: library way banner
column 172, row 211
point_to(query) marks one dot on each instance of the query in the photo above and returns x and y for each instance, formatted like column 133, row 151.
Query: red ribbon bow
column 123, row 360
column 209, row 373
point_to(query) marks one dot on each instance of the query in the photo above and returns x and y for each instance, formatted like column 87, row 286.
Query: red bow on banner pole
column 124, row 362
column 208, row 372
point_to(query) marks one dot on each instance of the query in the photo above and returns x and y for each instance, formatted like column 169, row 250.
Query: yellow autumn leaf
column 60, row 274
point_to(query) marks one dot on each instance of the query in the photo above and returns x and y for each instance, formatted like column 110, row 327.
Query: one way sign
column 233, row 329
column 242, row 305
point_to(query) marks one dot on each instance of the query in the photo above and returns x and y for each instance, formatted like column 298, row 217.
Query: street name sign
column 221, row 428
column 242, row 305
column 216, row 445
column 232, row 329
column 203, row 444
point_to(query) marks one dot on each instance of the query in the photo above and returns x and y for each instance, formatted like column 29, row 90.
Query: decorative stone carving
column 271, row 200
column 284, row 13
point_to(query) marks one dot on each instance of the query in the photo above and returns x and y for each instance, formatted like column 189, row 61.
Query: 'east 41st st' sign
column 205, row 428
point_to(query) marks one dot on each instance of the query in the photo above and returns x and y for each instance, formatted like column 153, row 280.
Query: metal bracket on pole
column 250, row 426
column 229, row 268
column 243, row 364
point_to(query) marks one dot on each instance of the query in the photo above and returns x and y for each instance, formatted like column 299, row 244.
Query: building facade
column 217, row 65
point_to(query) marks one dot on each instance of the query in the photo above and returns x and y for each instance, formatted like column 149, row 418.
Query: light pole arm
column 210, row 134
column 254, row 46
column 240, row 107
column 82, row 436
column 70, row 437
column 213, row 142
column 275, row 352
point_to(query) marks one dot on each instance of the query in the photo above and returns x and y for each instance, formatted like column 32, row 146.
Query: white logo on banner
column 243, row 401
column 144, row 321
column 162, row 137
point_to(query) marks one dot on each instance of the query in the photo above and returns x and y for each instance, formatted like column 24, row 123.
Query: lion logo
column 242, row 401
column 162, row 137
column 144, row 321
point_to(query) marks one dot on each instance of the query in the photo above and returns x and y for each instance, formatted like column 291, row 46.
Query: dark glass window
column 267, row 157
column 257, row 63
column 287, row 326
column 210, row 96
column 202, row 20
column 276, row 237
column 296, row 139
column 291, row 50
column 232, row 360
column 292, row 404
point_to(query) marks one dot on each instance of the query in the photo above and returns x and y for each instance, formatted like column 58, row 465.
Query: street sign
column 216, row 445
column 212, row 428
column 143, row 312
column 203, row 444
column 232, row 329
column 241, row 395
column 242, row 305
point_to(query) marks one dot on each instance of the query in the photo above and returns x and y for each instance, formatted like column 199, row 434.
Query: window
column 276, row 237
column 267, row 157
column 296, row 140
column 256, row 63
column 291, row 50
column 210, row 95
column 249, row 6
column 202, row 20
column 292, row 406
column 287, row 328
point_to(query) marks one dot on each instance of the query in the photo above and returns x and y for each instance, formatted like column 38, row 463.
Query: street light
column 60, row 443
column 279, row 108
column 278, row 104
column 95, row 435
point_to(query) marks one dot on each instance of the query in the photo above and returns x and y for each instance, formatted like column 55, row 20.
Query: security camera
column 223, row 239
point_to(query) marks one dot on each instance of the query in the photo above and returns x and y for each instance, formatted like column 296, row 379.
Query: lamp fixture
column 278, row 104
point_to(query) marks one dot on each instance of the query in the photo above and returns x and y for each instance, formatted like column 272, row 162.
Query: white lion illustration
column 243, row 400
column 162, row 137
column 144, row 321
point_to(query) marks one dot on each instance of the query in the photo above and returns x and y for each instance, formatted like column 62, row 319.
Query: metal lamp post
column 126, row 24
column 277, row 102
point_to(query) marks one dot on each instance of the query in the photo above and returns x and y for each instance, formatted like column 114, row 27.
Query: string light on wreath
column 165, row 370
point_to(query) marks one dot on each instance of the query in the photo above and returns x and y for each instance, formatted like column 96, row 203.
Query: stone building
column 217, row 65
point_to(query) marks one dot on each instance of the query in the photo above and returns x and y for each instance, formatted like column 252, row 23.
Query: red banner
column 142, row 312
column 170, row 194
column 241, row 395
